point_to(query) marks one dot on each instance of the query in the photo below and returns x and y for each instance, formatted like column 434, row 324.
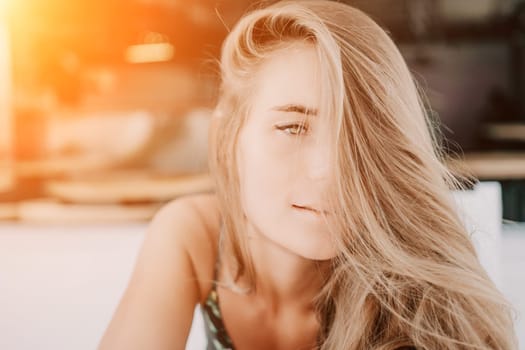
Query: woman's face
column 284, row 157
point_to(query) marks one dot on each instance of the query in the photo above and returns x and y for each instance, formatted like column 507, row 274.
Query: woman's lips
column 303, row 207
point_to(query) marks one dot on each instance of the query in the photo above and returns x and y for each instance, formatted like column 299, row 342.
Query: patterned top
column 216, row 333
column 218, row 338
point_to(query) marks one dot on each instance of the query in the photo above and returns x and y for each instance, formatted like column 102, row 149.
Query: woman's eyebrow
column 295, row 108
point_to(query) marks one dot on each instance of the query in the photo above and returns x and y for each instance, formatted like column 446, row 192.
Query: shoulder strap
column 216, row 268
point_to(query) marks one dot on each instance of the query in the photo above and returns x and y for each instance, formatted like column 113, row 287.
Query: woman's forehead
column 288, row 77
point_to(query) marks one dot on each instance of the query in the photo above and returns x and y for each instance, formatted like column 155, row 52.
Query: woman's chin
column 316, row 254
column 311, row 248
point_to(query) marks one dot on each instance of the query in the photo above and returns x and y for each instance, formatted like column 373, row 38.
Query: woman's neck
column 283, row 278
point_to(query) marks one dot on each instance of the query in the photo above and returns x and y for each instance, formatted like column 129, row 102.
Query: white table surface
column 59, row 285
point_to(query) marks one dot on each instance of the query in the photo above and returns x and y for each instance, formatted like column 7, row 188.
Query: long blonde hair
column 406, row 273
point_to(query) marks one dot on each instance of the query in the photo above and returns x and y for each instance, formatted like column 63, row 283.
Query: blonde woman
column 332, row 225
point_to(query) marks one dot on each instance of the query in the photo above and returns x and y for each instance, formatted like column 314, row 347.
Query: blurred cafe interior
column 105, row 104
column 105, row 107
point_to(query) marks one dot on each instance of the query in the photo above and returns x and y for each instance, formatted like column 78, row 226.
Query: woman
column 332, row 225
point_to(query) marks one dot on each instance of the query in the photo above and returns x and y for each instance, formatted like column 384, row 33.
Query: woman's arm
column 157, row 308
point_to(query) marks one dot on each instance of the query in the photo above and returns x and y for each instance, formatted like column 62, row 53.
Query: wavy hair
column 406, row 272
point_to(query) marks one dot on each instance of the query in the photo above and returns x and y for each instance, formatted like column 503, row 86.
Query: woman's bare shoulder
column 200, row 239
column 201, row 214
column 172, row 274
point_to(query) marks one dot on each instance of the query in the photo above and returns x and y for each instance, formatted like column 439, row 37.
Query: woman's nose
column 320, row 159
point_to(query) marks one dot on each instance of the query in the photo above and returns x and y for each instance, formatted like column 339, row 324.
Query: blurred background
column 104, row 111
column 108, row 102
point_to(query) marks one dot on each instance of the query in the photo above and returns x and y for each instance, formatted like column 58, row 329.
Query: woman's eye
column 293, row 129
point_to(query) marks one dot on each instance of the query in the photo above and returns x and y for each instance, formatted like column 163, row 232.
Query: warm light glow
column 3, row 7
column 6, row 173
column 145, row 53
